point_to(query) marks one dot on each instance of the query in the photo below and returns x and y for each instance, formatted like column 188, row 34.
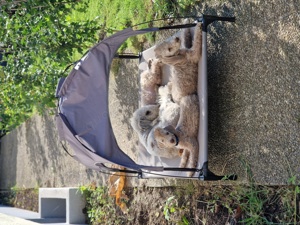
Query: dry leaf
column 238, row 212
column 116, row 185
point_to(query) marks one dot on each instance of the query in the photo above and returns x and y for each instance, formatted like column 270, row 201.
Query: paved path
column 254, row 87
column 32, row 156
column 254, row 110
column 15, row 216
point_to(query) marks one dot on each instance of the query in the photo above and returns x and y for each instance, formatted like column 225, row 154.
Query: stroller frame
column 92, row 157
column 206, row 174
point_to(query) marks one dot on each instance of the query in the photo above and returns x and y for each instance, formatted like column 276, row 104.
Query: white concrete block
column 62, row 203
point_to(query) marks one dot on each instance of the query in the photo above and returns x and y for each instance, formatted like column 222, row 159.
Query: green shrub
column 100, row 207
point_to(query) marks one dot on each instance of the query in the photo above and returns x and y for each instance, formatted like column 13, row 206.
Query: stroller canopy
column 83, row 118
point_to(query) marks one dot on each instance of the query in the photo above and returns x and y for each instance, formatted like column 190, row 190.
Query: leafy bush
column 38, row 39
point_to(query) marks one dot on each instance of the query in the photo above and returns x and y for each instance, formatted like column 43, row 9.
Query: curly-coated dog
column 186, row 138
column 150, row 80
column 144, row 121
column 183, row 61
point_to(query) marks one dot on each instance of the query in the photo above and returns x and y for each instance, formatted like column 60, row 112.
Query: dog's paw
column 199, row 26
column 156, row 62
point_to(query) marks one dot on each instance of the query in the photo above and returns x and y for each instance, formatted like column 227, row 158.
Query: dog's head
column 161, row 149
column 168, row 48
column 165, row 138
column 145, row 118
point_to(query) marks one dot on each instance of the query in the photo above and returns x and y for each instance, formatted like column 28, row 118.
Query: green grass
column 115, row 15
column 119, row 14
column 93, row 10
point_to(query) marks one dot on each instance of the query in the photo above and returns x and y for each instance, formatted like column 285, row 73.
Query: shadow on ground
column 32, row 156
column 253, row 89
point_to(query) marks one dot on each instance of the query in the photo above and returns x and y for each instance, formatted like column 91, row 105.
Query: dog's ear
column 134, row 123
column 150, row 63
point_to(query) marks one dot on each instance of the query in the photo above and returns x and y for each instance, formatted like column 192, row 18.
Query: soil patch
column 181, row 205
column 24, row 199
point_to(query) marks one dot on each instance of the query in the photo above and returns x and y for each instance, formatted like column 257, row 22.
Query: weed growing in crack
column 174, row 213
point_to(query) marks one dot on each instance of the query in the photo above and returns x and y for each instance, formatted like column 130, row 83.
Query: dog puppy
column 183, row 61
column 184, row 137
column 144, row 122
column 189, row 145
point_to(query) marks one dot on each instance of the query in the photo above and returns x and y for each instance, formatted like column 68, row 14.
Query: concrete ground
column 253, row 95
column 253, row 88
column 32, row 156
column 15, row 216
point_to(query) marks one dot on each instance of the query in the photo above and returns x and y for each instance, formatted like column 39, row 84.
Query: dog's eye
column 167, row 133
column 148, row 113
column 169, row 49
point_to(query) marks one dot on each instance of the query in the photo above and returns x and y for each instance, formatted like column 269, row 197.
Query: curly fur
column 150, row 80
column 183, row 61
column 169, row 111
column 189, row 145
column 187, row 136
column 149, row 122
column 144, row 122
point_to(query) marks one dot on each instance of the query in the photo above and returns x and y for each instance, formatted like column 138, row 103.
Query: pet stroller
column 83, row 116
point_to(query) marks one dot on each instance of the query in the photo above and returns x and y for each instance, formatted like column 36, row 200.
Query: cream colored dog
column 148, row 116
column 183, row 61
column 144, row 121
column 186, row 138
